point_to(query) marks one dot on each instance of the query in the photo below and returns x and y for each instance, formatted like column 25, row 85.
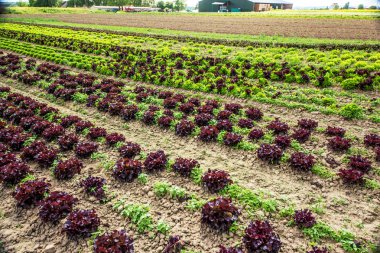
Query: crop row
column 58, row 205
column 322, row 45
column 217, row 73
column 202, row 119
column 18, row 110
column 110, row 66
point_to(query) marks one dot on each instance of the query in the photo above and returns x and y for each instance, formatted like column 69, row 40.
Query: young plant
column 67, row 169
column 115, row 241
column 184, row 167
column 156, row 161
column 260, row 237
column 220, row 213
column 31, row 192
column 56, row 206
column 81, row 223
column 269, row 153
column 127, row 169
column 216, row 180
column 304, row 218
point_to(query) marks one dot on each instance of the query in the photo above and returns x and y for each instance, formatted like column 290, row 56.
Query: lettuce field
column 121, row 140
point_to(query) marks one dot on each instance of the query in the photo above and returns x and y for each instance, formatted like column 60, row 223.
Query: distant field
column 365, row 29
column 338, row 14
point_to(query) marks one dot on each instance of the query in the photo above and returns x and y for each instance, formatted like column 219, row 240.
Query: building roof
column 270, row 2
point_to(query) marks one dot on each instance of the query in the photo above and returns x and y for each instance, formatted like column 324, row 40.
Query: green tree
column 179, row 5
column 346, row 6
column 336, row 6
column 169, row 5
column 161, row 5
column 361, row 7
column 372, row 7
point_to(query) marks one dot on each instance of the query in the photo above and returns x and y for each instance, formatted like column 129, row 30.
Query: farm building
column 242, row 5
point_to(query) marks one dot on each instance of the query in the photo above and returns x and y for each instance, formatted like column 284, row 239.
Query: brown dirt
column 246, row 169
column 291, row 27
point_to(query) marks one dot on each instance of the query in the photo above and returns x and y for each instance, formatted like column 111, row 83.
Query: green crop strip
column 106, row 66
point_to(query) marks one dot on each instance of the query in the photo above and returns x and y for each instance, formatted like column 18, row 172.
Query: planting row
column 201, row 41
column 112, row 67
column 206, row 68
column 184, row 166
column 210, row 123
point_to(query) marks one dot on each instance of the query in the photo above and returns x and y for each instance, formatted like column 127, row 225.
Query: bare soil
column 290, row 27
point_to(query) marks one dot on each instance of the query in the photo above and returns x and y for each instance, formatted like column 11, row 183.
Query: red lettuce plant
column 372, row 140
column 301, row 135
column 195, row 101
column 203, row 119
column 253, row 113
column 17, row 141
column 283, row 141
column 302, row 161
column 52, row 132
column 220, row 213
column 114, row 242
column 377, row 152
column 270, row 153
column 45, row 158
column 82, row 125
column 256, row 134
column 224, row 115
column 216, row 180
column 351, row 175
column 56, row 206
column 184, row 166
column 13, row 172
column 127, row 169
column 175, row 245
column 164, row 94
column 130, row 150
column 81, row 223
column 39, row 126
column 148, row 117
column 31, row 151
column 205, row 109
column 307, row 124
column 96, row 132
column 304, row 218
column 85, row 149
column 129, row 112
column 170, row 103
column 232, row 139
column 260, row 237
column 187, row 108
column 225, row 125
column 233, row 107
column 31, row 192
column 208, row 133
column 67, row 169
column 68, row 141
column 68, row 121
column 3, row 148
column 245, row 123
column 315, row 249
column 278, row 127
column 335, row 131
column 339, row 144
column 223, row 249
column 184, row 128
column 156, row 161
column 165, row 121
column 114, row 138
column 360, row 163
column 94, row 186
column 213, row 103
